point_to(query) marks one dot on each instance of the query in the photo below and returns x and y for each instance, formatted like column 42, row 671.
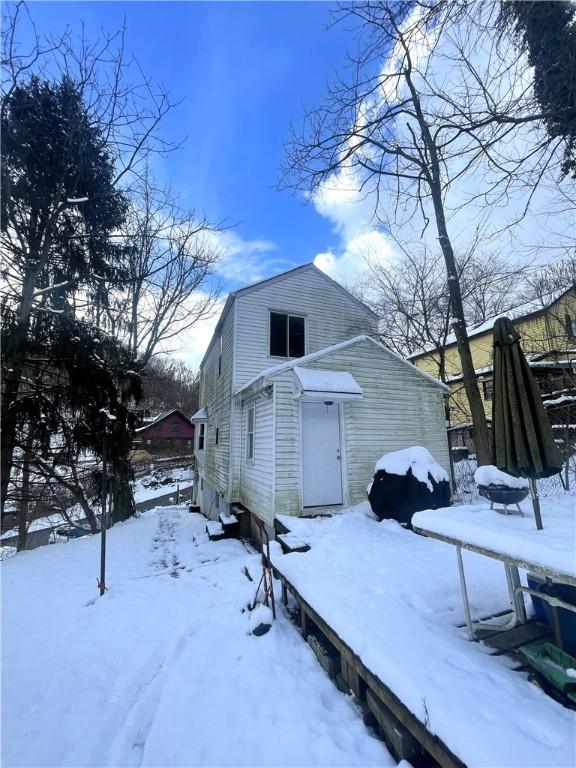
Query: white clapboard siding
column 288, row 491
column 216, row 396
column 399, row 408
column 257, row 476
column 331, row 316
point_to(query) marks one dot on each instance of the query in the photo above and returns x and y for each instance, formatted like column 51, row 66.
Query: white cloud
column 191, row 345
column 348, row 265
column 352, row 210
column 243, row 261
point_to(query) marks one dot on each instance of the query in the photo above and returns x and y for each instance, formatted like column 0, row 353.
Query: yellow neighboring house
column 548, row 329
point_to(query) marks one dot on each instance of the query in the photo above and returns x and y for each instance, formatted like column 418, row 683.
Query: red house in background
column 170, row 434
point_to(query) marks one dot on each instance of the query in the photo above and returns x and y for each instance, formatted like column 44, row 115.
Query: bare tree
column 170, row 384
column 429, row 121
column 411, row 297
column 169, row 284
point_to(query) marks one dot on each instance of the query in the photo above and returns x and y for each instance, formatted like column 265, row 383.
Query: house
column 299, row 400
column 548, row 329
column 169, row 434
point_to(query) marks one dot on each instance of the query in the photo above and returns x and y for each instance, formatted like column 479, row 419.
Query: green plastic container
column 557, row 667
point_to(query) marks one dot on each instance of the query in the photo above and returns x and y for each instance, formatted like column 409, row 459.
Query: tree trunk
column 433, row 179
column 15, row 356
column 83, row 501
column 481, row 436
column 24, row 498
column 9, row 427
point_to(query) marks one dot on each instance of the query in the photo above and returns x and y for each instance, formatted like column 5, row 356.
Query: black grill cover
column 398, row 497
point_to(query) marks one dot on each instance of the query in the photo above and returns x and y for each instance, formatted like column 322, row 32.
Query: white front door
column 321, row 455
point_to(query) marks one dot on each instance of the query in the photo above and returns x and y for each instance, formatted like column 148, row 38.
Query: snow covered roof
column 338, row 383
column 514, row 313
column 300, row 361
column 200, row 415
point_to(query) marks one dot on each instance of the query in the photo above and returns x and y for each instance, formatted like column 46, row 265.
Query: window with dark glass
column 487, row 387
column 201, row 433
column 287, row 335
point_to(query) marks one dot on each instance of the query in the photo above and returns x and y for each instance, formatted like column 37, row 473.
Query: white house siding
column 288, row 486
column 331, row 317
column 215, row 395
column 256, row 484
column 399, row 409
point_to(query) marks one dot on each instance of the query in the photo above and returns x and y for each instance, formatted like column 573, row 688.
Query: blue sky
column 245, row 70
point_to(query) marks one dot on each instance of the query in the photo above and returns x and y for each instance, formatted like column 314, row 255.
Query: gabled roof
column 519, row 312
column 300, row 361
column 158, row 419
column 251, row 287
column 200, row 415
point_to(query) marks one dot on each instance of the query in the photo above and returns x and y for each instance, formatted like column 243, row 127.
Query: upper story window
column 201, row 436
column 220, row 357
column 487, row 387
column 287, row 335
column 571, row 326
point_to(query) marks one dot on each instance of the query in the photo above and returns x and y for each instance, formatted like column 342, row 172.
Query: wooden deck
column 406, row 736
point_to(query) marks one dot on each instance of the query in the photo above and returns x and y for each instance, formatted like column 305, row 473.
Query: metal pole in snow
column 535, row 503
column 104, row 518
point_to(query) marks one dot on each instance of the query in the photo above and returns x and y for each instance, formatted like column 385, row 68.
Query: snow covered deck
column 391, row 597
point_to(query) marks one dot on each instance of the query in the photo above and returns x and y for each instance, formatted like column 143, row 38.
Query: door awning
column 314, row 384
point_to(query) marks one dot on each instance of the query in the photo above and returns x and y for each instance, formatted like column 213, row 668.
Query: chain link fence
column 563, row 422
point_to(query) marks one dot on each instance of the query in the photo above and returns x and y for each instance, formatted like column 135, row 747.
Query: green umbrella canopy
column 523, row 443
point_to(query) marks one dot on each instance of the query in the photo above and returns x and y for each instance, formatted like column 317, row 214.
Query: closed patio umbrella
column 522, row 439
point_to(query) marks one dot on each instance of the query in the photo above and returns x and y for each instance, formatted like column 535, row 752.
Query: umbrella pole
column 535, row 503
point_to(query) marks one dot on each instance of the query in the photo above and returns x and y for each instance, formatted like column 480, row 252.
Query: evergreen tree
column 547, row 32
column 59, row 208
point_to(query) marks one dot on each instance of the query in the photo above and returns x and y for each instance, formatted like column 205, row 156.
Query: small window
column 201, row 434
column 287, row 335
column 487, row 387
column 220, row 358
column 217, row 436
column 175, row 427
column 250, row 434
column 201, row 483
column 571, row 326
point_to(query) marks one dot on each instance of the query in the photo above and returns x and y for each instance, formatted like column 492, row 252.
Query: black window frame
column 488, row 385
column 201, row 436
column 291, row 334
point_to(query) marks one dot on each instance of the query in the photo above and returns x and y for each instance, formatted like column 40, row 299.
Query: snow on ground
column 151, row 486
column 75, row 513
column 394, row 598
column 162, row 670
